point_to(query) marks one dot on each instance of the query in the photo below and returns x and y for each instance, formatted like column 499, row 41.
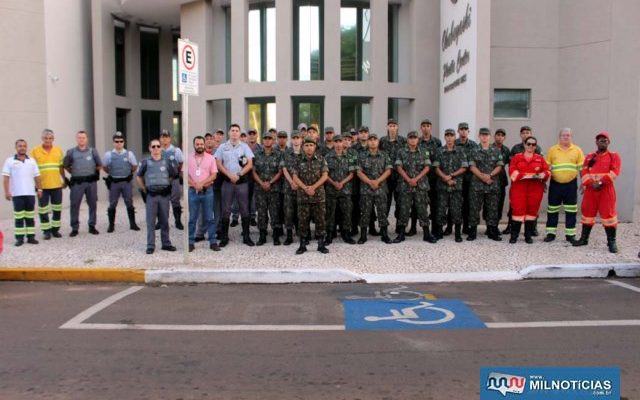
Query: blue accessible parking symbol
column 374, row 314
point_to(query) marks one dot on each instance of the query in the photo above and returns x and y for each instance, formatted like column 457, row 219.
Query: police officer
column 374, row 167
column 338, row 189
column 467, row 146
column 413, row 166
column 310, row 173
column 120, row 164
column 174, row 155
column 84, row 164
column 486, row 165
column 266, row 175
column 287, row 162
column 451, row 164
column 431, row 144
column 391, row 145
column 154, row 177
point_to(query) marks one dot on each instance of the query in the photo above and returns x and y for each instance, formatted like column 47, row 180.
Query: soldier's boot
column 177, row 213
column 263, row 237
column 344, row 234
column 131, row 213
column 276, row 236
column 363, row 236
column 246, row 237
column 534, row 229
column 584, row 236
column 224, row 232
column 611, row 239
column 303, row 247
column 413, row 230
column 448, row 230
column 289, row 239
column 328, row 239
column 473, row 233
column 494, row 233
column 529, row 228
column 437, row 231
column 507, row 230
column 354, row 231
column 384, row 236
column 458, row 232
column 514, row 231
column 400, row 237
column 307, row 238
column 372, row 229
column 111, row 214
column 321, row 245
column 234, row 222
column 427, row 236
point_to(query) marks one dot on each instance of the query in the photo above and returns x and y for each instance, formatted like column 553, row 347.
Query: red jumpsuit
column 603, row 199
column 525, row 194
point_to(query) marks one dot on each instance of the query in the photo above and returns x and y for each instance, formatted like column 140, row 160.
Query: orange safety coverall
column 525, row 194
column 605, row 169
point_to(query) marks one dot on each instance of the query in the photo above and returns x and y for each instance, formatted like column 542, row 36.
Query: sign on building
column 187, row 67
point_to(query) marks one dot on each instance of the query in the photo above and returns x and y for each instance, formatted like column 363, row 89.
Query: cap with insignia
column 295, row 133
column 118, row 135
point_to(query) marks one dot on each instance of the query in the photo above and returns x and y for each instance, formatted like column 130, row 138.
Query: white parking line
column 625, row 285
column 222, row 328
column 76, row 321
column 563, row 324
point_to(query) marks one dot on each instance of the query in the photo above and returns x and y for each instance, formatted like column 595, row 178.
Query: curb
column 629, row 270
column 73, row 274
column 251, row 276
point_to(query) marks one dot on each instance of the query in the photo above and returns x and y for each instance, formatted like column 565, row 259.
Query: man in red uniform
column 599, row 171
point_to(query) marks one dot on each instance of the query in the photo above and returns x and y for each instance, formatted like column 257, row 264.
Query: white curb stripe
column 625, row 285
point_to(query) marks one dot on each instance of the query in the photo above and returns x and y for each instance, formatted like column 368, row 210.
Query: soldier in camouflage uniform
column 451, row 164
column 486, row 164
column 289, row 187
column 468, row 146
column 327, row 145
column 374, row 167
column 338, row 190
column 282, row 144
column 431, row 144
column 266, row 175
column 359, row 145
column 413, row 165
column 498, row 143
column 391, row 144
column 310, row 173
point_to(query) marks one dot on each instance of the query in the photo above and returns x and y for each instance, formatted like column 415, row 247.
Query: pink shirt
column 201, row 168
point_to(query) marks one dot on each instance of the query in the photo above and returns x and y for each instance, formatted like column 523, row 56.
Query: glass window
column 309, row 110
column 262, row 43
column 218, row 114
column 119, row 34
column 308, row 42
column 149, row 63
column 121, row 121
column 177, row 128
column 355, row 112
column 261, row 114
column 355, row 41
column 400, row 109
column 393, row 42
column 175, row 96
column 511, row 103
column 227, row 44
column 150, row 127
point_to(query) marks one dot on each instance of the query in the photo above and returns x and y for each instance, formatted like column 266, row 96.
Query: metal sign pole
column 185, row 173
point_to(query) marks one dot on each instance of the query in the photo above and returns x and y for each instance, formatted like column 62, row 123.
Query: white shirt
column 21, row 174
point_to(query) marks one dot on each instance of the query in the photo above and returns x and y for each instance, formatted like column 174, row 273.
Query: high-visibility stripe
column 31, row 230
column 571, row 208
column 56, row 207
column 45, row 226
column 20, row 231
column 570, row 231
column 587, row 220
column 56, row 224
column 552, row 230
column 29, row 214
column 565, row 167
column 44, row 209
column 553, row 209
column 610, row 221
column 18, row 214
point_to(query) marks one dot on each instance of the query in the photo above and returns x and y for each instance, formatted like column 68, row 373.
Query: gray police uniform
column 174, row 155
column 84, row 175
column 120, row 175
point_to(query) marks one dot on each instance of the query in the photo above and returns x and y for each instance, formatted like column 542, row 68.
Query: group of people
column 342, row 184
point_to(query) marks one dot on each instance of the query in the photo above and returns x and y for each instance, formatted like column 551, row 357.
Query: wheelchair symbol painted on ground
column 408, row 315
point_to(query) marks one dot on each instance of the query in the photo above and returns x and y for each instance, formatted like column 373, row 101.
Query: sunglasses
column 118, row 141
column 155, row 146
column 531, row 144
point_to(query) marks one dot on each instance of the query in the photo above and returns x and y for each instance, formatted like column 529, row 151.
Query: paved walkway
column 125, row 248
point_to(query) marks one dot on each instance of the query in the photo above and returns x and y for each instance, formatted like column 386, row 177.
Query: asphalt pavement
column 306, row 341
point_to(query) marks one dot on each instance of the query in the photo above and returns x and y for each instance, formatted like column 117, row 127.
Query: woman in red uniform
column 529, row 172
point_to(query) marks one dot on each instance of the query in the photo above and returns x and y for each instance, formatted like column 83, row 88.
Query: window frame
column 296, row 37
column 359, row 5
column 529, row 97
column 262, row 7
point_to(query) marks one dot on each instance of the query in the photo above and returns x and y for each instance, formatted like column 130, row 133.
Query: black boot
column 344, row 234
column 131, row 213
column 263, row 237
column 329, row 238
column 289, row 238
column 584, row 236
column 303, row 247
column 224, row 232
column 473, row 233
column 111, row 214
column 611, row 239
column 276, row 236
column 372, row 229
column 458, row 232
column 507, row 230
column 514, row 231
column 400, row 237
column 414, row 227
column 437, row 231
column 549, row 238
column 177, row 213
column 494, row 233
column 363, row 236
column 246, row 237
column 384, row 236
column 529, row 228
column 234, row 222
column 448, row 230
column 321, row 248
column 426, row 236
column 534, row 228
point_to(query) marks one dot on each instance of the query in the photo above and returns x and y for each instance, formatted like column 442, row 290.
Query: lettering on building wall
column 450, row 37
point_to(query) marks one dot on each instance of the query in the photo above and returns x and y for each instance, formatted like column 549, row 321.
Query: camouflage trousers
column 307, row 211
column 417, row 199
column 367, row 204
column 342, row 202
column 488, row 203
column 268, row 205
column 290, row 209
column 452, row 202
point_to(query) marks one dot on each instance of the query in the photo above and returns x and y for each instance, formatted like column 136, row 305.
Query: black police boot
column 363, row 236
column 611, row 239
column 329, row 239
column 303, row 247
column 448, row 230
column 549, row 238
column 253, row 221
column 344, row 234
column 584, row 236
column 494, row 233
column 426, row 236
column 458, row 232
column 529, row 228
column 400, row 237
column 131, row 213
column 473, row 233
column 289, row 239
column 414, row 227
column 276, row 236
column 321, row 247
column 372, row 229
column 224, row 232
column 111, row 214
column 384, row 236
column 177, row 213
column 437, row 231
column 514, row 231
column 263, row 237
column 234, row 222
column 246, row 237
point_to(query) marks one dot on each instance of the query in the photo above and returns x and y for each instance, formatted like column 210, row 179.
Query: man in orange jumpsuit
column 599, row 171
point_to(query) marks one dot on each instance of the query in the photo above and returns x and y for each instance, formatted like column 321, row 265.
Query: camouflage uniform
column 432, row 145
column 310, row 170
column 503, row 178
column 468, row 148
column 413, row 162
column 485, row 196
column 373, row 166
column 450, row 198
column 354, row 152
column 339, row 167
column 288, row 161
column 392, row 148
column 266, row 167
